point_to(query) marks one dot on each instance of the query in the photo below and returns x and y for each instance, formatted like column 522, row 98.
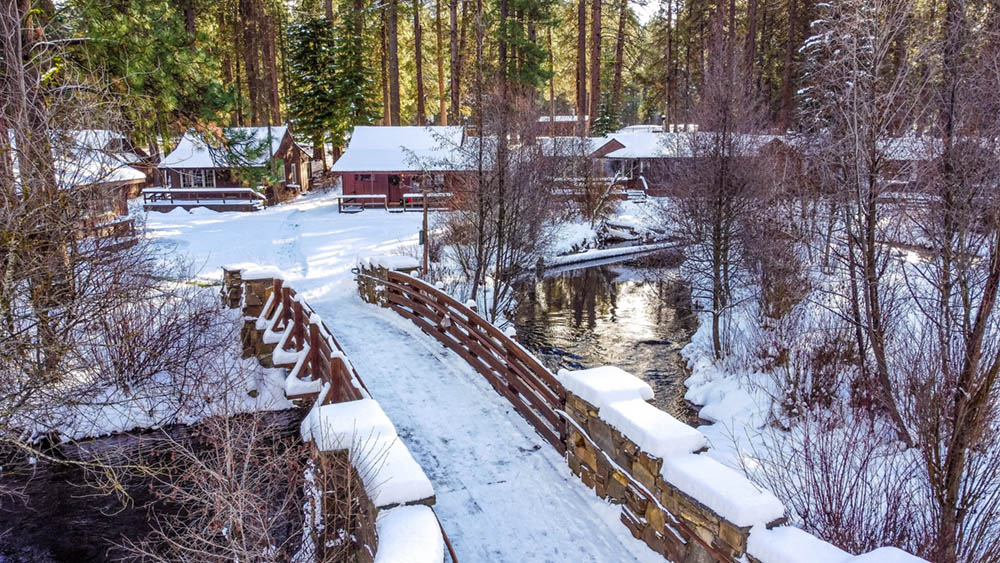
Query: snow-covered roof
column 194, row 152
column 562, row 118
column 85, row 157
column 911, row 147
column 648, row 144
column 571, row 146
column 403, row 149
column 645, row 144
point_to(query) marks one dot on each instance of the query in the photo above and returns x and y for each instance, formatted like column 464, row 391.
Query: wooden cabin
column 383, row 164
column 654, row 161
column 199, row 169
column 574, row 161
column 98, row 170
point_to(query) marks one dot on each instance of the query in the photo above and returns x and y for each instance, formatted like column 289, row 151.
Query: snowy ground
column 502, row 493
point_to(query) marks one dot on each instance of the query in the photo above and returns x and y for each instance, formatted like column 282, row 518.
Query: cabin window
column 363, row 177
column 197, row 178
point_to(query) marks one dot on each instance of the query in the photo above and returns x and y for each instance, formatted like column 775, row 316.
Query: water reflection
column 633, row 315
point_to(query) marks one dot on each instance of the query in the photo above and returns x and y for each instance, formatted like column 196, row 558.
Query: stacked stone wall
column 251, row 294
column 647, row 520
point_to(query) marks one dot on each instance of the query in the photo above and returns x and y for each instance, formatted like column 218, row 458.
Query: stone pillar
column 232, row 288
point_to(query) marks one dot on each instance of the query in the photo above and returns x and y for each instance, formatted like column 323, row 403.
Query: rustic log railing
column 510, row 369
column 324, row 359
column 319, row 357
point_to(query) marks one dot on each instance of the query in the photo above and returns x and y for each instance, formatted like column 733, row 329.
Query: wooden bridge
column 499, row 480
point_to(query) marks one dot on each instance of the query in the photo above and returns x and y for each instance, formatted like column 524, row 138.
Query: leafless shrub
column 503, row 210
column 339, row 514
column 844, row 483
column 811, row 364
column 237, row 491
column 716, row 192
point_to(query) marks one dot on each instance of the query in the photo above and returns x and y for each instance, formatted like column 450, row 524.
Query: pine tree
column 354, row 80
column 167, row 81
column 315, row 104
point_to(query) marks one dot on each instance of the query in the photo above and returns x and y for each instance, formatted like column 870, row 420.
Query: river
column 634, row 315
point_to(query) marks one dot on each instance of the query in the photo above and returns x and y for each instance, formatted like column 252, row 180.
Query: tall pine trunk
column 616, row 89
column 418, row 57
column 552, row 86
column 456, row 71
column 595, row 61
column 668, row 84
column 751, row 39
column 392, row 29
column 787, row 76
column 386, row 112
column 442, row 106
column 581, row 66
column 270, row 59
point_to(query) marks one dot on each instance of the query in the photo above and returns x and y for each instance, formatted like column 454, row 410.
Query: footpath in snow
column 503, row 494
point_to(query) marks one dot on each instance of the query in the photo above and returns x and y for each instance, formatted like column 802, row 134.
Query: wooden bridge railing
column 513, row 372
column 324, row 359
column 509, row 368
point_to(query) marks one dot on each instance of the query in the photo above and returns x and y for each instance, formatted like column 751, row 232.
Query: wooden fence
column 325, row 360
column 510, row 369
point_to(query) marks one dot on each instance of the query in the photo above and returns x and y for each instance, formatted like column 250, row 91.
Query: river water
column 634, row 315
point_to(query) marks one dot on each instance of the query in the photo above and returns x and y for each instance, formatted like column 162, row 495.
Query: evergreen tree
column 167, row 79
column 354, row 79
column 315, row 105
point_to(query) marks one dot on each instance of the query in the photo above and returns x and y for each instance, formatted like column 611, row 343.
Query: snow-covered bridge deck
column 503, row 493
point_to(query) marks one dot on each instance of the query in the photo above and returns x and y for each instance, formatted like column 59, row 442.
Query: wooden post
column 423, row 272
column 315, row 362
column 286, row 300
column 277, row 293
column 276, row 290
column 336, row 394
column 298, row 329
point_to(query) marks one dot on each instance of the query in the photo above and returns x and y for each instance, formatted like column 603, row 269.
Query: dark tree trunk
column 616, row 89
column 392, row 28
column 581, row 66
column 438, row 32
column 751, row 39
column 189, row 18
column 668, row 83
column 418, row 57
column 595, row 60
column 456, row 70
column 269, row 55
column 787, row 89
column 386, row 119
column 552, row 87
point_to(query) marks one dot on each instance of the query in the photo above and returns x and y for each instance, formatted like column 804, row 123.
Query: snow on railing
column 343, row 417
column 510, row 369
column 676, row 500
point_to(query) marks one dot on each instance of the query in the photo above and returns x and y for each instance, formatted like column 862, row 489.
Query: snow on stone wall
column 397, row 495
column 615, row 434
